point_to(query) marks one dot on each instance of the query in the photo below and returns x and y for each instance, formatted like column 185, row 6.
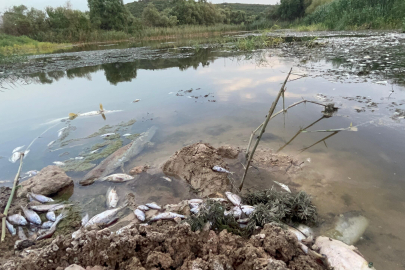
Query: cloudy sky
column 82, row 4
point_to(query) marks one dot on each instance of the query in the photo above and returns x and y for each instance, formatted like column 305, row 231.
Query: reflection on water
column 207, row 97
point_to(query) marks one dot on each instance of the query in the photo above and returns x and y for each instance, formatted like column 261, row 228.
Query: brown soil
column 169, row 247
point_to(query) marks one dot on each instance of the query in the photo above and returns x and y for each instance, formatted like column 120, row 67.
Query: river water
column 216, row 96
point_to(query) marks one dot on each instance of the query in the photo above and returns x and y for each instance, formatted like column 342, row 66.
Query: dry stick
column 272, row 108
column 323, row 140
column 10, row 199
column 295, row 104
column 251, row 138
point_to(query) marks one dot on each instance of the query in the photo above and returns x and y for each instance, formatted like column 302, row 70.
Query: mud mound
column 194, row 164
column 169, row 247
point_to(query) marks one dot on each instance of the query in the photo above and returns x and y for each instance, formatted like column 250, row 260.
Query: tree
column 152, row 17
column 109, row 14
column 291, row 9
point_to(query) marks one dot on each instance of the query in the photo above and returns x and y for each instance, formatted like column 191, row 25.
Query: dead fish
column 119, row 157
column 85, row 219
column 51, row 216
column 247, row 209
column 26, row 153
column 126, row 135
column 48, row 207
column 17, row 219
column 218, row 199
column 51, row 230
column 153, row 206
column 52, row 142
column 59, row 163
column 233, row 198
column 237, row 212
column 220, row 169
column 112, row 197
column 195, row 201
column 79, row 158
column 118, row 177
column 285, row 187
column 39, row 198
column 94, row 151
column 17, row 149
column 136, row 100
column 243, row 220
column 139, row 214
column 47, row 225
column 195, row 210
column 143, row 208
column 16, row 156
column 32, row 173
column 105, row 218
column 21, row 233
column 167, row 178
column 60, row 131
column 11, row 228
column 166, row 215
column 107, row 135
column 194, row 205
column 31, row 215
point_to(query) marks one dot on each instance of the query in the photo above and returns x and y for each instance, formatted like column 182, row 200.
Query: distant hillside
column 136, row 8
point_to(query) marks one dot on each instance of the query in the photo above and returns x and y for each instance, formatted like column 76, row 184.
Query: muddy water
column 220, row 97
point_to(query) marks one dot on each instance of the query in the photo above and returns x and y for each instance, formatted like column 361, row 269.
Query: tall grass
column 359, row 14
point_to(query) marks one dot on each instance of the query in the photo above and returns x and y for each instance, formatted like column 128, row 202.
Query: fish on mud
column 140, row 214
column 112, row 197
column 48, row 207
column 105, row 218
column 167, row 178
column 39, row 198
column 107, row 135
column 285, row 187
column 243, row 220
column 31, row 215
column 51, row 216
column 59, row 163
column 17, row 219
column 166, row 216
column 85, row 219
column 119, row 157
column 233, row 198
column 118, row 177
column 47, row 224
column 51, row 230
column 11, row 228
column 221, row 170
column 17, row 149
column 195, row 201
column 143, row 207
column 153, row 206
column 21, row 233
column 247, row 209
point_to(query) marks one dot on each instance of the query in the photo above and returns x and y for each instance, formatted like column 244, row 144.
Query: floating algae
column 111, row 148
column 100, row 132
column 99, row 145
column 112, row 137
column 77, row 166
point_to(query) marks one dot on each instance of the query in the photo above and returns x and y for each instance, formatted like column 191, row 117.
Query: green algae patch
column 77, row 166
column 133, row 136
column 128, row 123
column 100, row 132
column 111, row 148
column 112, row 137
column 99, row 145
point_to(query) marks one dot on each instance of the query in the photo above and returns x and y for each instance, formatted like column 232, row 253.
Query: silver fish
column 195, row 210
column 51, row 230
column 139, row 214
column 104, row 218
column 194, row 205
column 112, row 197
column 94, row 151
column 126, row 135
column 61, row 131
column 136, row 100
column 59, row 163
column 220, row 169
column 26, row 153
column 166, row 215
column 85, row 219
column 46, row 225
column 21, row 233
column 143, row 208
column 195, row 201
column 32, row 173
column 16, row 156
column 17, row 149
column 218, row 199
column 243, row 221
column 52, row 142
column 247, row 209
column 118, row 177
column 107, row 135
column 233, row 198
column 31, row 215
column 17, row 219
column 79, row 158
column 153, row 206
column 11, row 228
column 167, row 178
column 285, row 187
column 51, row 216
column 48, row 207
column 237, row 212
column 39, row 198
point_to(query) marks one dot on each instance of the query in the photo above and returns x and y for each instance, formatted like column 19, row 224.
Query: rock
column 48, row 181
column 194, row 164
column 138, row 170
column 228, row 152
column 74, row 267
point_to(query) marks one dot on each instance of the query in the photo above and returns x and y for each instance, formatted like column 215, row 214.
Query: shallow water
column 230, row 96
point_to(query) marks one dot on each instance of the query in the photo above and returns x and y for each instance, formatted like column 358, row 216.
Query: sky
column 82, row 4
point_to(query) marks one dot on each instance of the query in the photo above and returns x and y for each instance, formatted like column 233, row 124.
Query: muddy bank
column 170, row 247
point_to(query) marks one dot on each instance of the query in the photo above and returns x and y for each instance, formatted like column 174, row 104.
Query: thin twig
column 271, row 111
column 251, row 138
column 327, row 137
column 295, row 104
column 10, row 199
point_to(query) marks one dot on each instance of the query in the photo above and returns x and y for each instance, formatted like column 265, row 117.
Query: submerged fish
column 119, row 157
column 139, row 214
column 118, row 177
column 17, row 219
column 16, row 156
column 105, row 218
column 167, row 178
column 46, row 225
column 21, row 233
column 17, row 149
column 39, row 198
column 166, row 215
column 143, row 207
column 11, row 228
column 61, row 131
column 51, row 230
column 107, row 135
column 233, row 198
column 112, row 197
column 59, row 163
column 52, row 142
column 285, row 187
column 153, row 206
column 85, row 219
column 31, row 215
column 51, row 216
column 220, row 169
column 48, row 207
